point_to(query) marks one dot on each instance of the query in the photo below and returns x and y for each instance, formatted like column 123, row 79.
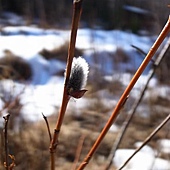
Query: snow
column 164, row 145
column 43, row 69
column 136, row 10
column 36, row 99
column 146, row 148
column 27, row 46
column 114, row 128
column 43, row 94
column 110, row 40
column 161, row 164
column 125, row 78
column 27, row 42
column 143, row 160
column 42, row 99
column 87, row 39
column 11, row 19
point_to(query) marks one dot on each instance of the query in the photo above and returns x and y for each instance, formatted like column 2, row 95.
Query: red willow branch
column 136, row 104
column 75, row 21
column 124, row 96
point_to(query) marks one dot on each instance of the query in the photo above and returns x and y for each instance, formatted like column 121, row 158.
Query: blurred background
column 114, row 36
column 109, row 14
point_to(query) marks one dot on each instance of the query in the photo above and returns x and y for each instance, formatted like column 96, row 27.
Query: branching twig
column 146, row 140
column 136, row 104
column 6, row 163
column 47, row 124
column 115, row 112
column 75, row 21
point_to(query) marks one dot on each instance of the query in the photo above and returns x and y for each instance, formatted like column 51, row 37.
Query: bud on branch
column 78, row 78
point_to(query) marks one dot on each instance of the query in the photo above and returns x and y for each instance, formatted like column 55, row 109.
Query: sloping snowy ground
column 27, row 42
column 44, row 92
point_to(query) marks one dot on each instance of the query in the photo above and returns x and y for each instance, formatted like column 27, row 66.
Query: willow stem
column 77, row 4
column 124, row 96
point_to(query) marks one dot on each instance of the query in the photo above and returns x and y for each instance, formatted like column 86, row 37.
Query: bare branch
column 136, row 104
column 140, row 50
column 48, row 127
column 75, row 22
column 115, row 112
column 6, row 163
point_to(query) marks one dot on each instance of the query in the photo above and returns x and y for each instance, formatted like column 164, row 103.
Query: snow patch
column 164, row 145
column 141, row 161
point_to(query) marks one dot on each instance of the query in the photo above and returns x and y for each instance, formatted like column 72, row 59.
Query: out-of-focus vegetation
column 14, row 67
column 29, row 142
column 108, row 14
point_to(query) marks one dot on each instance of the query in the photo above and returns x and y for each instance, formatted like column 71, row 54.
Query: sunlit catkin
column 78, row 77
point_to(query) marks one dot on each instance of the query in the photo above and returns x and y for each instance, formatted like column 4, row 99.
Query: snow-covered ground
column 44, row 92
column 143, row 160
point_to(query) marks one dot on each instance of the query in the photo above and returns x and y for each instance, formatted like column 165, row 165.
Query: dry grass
column 30, row 145
column 14, row 67
column 59, row 53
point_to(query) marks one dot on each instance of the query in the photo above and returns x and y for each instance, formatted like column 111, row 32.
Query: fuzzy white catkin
column 79, row 74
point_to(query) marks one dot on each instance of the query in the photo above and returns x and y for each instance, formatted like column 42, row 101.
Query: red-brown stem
column 124, row 96
column 75, row 21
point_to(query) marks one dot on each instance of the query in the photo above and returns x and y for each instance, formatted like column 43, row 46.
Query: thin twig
column 6, row 163
column 75, row 22
column 48, row 127
column 136, row 104
column 12, row 165
column 140, row 50
column 115, row 112
column 147, row 140
column 11, row 103
column 78, row 152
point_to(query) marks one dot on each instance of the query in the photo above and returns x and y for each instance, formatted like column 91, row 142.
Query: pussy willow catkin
column 78, row 76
